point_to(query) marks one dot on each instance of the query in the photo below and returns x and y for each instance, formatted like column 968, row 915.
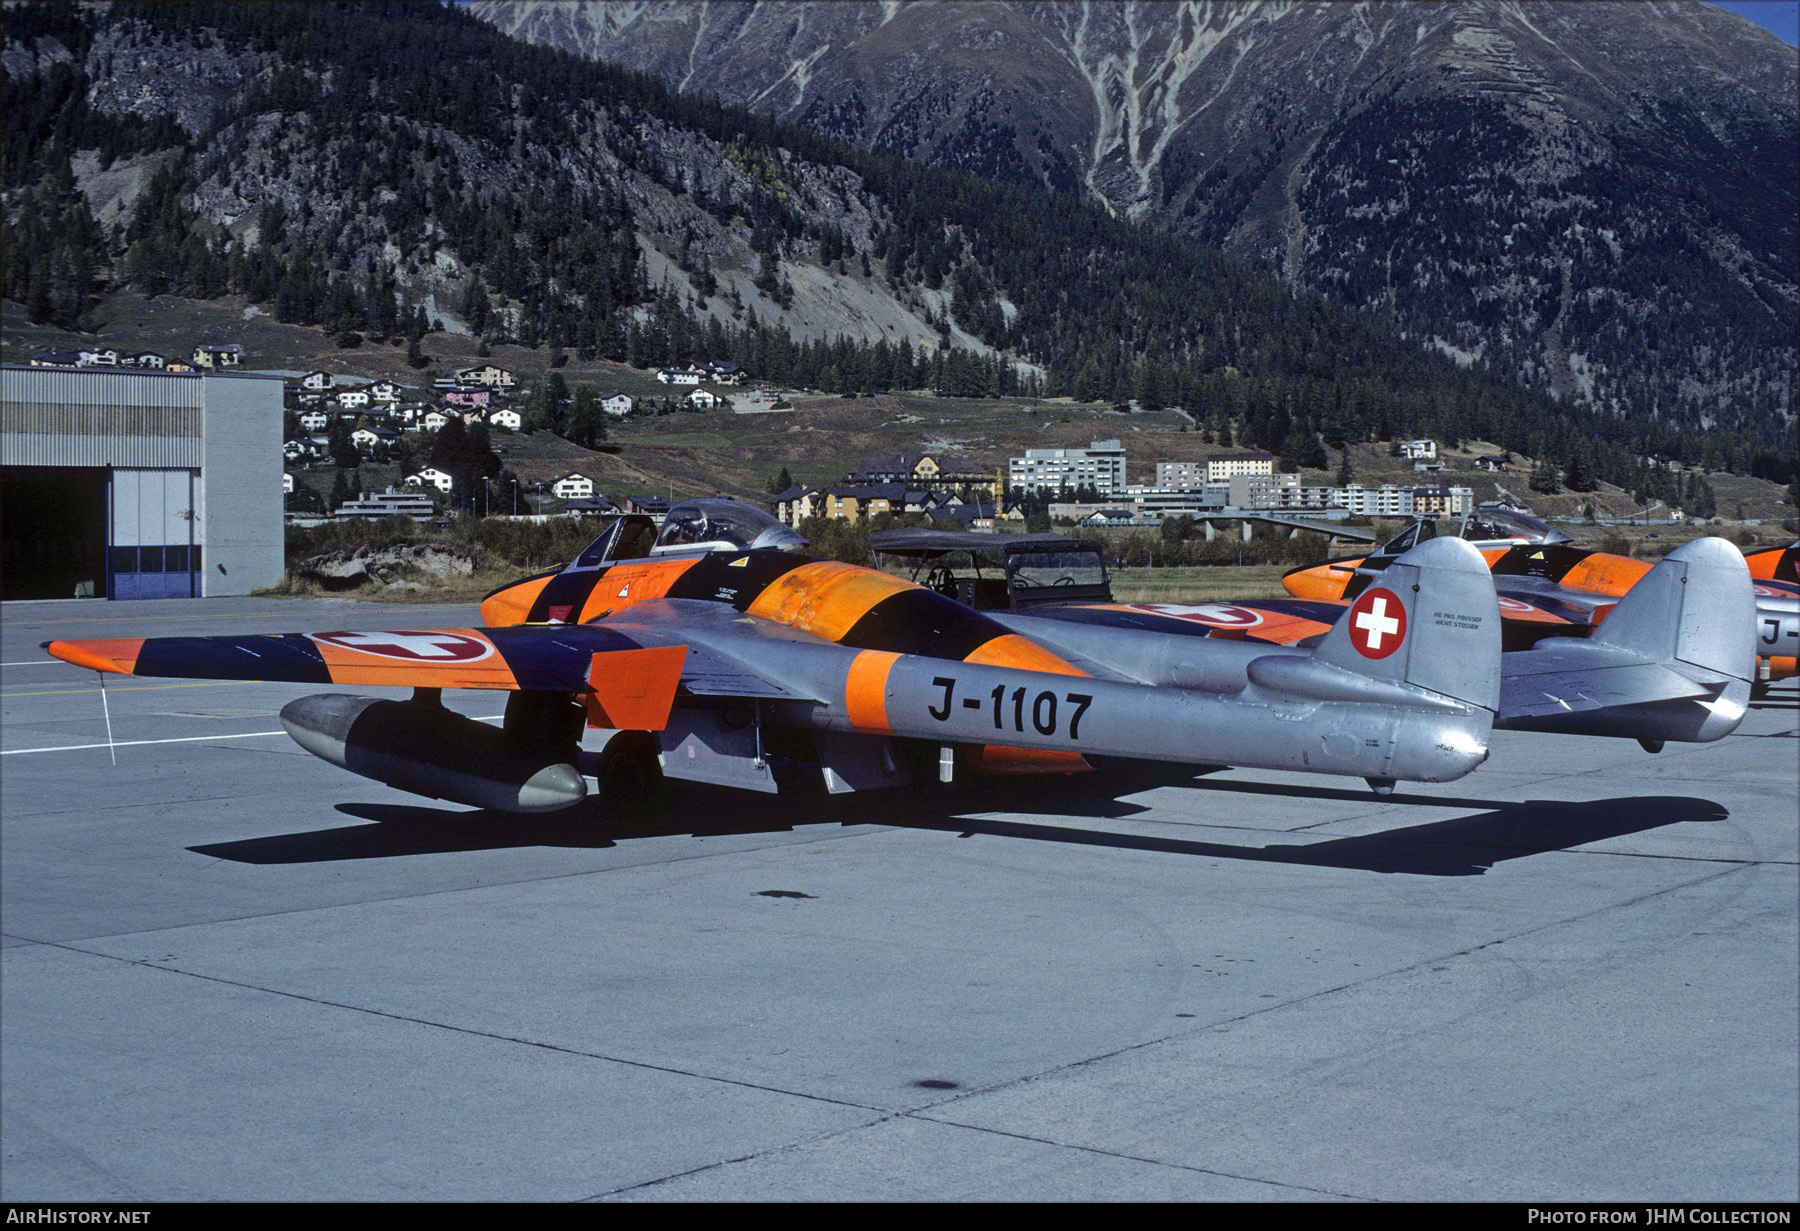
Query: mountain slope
column 372, row 168
column 1598, row 198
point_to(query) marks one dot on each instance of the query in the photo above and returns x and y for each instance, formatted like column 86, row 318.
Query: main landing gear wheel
column 630, row 776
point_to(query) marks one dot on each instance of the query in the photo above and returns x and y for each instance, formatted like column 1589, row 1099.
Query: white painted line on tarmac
column 183, row 739
column 130, row 743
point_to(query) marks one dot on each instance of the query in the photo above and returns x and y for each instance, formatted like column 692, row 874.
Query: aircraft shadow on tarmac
column 1460, row 846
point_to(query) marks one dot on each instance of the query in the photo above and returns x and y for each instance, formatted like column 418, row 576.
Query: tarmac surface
column 233, row 972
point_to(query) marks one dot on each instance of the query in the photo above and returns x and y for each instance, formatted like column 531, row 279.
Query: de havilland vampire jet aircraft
column 1549, row 587
column 720, row 650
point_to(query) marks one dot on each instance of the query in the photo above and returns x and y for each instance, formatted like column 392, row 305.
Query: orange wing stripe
column 119, row 656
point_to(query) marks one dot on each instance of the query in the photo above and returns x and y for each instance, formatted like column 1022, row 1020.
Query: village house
column 1441, row 501
column 1419, row 450
column 104, row 357
column 702, row 398
column 571, row 486
column 795, row 504
column 207, row 355
column 353, row 399
column 368, row 437
column 508, row 419
column 144, row 360
column 316, row 381
column 302, row 450
column 384, row 391
column 431, row 476
column 314, row 421
column 590, row 506
column 434, row 420
column 468, row 397
column 925, row 472
column 54, row 358
column 616, row 403
column 681, row 376
column 489, row 375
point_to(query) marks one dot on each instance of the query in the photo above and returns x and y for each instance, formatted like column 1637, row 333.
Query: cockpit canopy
column 1493, row 524
column 722, row 525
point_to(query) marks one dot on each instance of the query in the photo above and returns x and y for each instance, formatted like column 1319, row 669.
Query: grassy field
column 1198, row 585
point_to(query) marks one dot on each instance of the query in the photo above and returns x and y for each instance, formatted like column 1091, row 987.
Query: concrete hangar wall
column 139, row 484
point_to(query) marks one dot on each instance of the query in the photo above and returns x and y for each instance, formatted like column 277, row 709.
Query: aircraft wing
column 624, row 682
column 1539, row 601
column 1276, row 621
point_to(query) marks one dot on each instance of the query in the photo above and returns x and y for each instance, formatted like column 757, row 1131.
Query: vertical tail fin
column 1430, row 620
column 1697, row 606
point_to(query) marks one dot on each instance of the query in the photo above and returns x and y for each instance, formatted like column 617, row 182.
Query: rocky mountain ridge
column 1598, row 198
column 375, row 169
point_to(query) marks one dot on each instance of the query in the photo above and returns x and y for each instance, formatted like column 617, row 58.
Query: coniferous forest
column 405, row 134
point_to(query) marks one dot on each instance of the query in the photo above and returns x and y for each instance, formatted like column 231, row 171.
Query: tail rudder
column 1431, row 621
column 1697, row 606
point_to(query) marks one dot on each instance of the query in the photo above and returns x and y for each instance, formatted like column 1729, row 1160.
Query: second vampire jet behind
column 718, row 649
column 1549, row 587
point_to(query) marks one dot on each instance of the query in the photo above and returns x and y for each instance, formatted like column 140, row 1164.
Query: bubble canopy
column 1491, row 524
column 722, row 525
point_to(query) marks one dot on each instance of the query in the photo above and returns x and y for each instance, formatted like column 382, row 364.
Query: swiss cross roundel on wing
column 1220, row 615
column 1377, row 623
column 412, row 646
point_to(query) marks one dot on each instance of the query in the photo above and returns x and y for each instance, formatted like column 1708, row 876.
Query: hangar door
column 54, row 524
column 154, row 548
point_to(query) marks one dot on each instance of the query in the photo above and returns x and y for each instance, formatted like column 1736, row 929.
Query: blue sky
column 1782, row 17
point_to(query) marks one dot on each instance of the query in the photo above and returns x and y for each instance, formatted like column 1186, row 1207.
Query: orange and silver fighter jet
column 717, row 652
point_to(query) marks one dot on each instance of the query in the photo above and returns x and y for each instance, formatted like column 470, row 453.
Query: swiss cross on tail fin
column 1430, row 621
column 1377, row 623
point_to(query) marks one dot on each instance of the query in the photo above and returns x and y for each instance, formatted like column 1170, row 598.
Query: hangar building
column 138, row 484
